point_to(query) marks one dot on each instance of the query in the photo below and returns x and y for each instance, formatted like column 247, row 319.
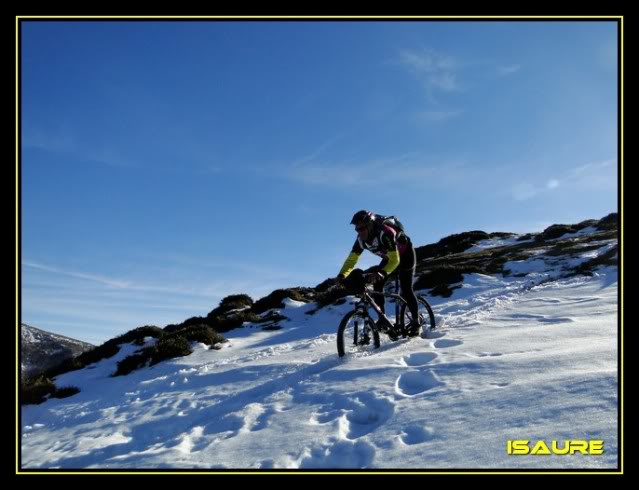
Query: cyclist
column 394, row 246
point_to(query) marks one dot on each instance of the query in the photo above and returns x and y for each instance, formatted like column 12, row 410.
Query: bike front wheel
column 426, row 315
column 356, row 334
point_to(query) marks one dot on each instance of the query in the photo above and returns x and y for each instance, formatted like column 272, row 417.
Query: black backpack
column 391, row 221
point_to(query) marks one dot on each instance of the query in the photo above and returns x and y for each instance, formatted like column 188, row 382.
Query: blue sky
column 166, row 165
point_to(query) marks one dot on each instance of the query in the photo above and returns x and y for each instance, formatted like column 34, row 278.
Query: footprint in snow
column 190, row 442
column 557, row 319
column 416, row 434
column 227, row 427
column 320, row 418
column 414, row 383
column 267, row 464
column 365, row 414
column 355, row 415
column 445, row 343
column 541, row 318
column 255, row 417
column 262, row 421
column 337, row 454
column 434, row 334
column 500, row 385
column 418, row 359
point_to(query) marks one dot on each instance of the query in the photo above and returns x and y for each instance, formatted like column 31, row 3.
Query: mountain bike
column 359, row 332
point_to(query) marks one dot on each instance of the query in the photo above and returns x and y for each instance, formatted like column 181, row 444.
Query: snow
column 531, row 357
column 537, row 266
column 590, row 230
column 32, row 335
column 550, row 268
column 496, row 242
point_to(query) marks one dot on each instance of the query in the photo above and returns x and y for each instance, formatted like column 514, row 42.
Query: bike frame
column 368, row 300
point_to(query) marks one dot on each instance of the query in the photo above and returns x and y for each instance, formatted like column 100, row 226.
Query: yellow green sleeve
column 349, row 264
column 393, row 262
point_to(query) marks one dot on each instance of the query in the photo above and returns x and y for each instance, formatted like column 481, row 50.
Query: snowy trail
column 511, row 360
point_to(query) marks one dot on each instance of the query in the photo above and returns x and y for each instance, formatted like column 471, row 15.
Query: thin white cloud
column 55, row 294
column 439, row 74
column 437, row 70
column 113, row 283
column 122, row 311
column 209, row 289
column 317, row 152
column 446, row 82
column 594, row 175
column 75, row 298
column 408, row 170
column 524, row 191
column 427, row 60
column 602, row 175
column 262, row 281
column 506, row 70
column 594, row 167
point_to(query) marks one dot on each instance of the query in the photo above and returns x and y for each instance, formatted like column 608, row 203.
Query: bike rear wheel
column 356, row 334
column 426, row 315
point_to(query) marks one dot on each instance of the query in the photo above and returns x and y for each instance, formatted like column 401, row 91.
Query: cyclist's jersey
column 385, row 242
column 382, row 242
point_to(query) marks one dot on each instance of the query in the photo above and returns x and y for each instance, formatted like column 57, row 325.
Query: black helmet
column 362, row 216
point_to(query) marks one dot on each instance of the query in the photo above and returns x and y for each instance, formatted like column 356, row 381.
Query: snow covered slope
column 527, row 355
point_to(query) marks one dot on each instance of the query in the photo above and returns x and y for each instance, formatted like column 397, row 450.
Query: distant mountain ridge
column 42, row 350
